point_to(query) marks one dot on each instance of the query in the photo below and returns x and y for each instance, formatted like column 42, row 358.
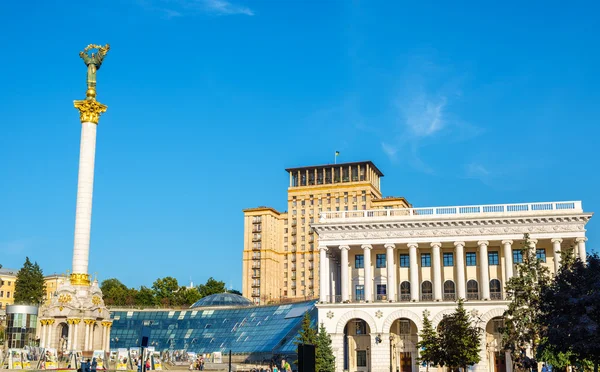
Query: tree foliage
column 30, row 287
column 570, row 311
column 430, row 343
column 459, row 339
column 324, row 358
column 521, row 320
column 211, row 287
column 165, row 292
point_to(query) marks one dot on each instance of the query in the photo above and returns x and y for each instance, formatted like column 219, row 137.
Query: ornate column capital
column 556, row 240
column 389, row 246
column 581, row 240
column 89, row 321
column 323, row 248
column 366, row 246
column 436, row 245
column 344, row 248
column 49, row 321
column 412, row 245
column 89, row 110
column 483, row 242
column 456, row 244
column 76, row 321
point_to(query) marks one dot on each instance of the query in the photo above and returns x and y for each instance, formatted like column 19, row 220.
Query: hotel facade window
column 517, row 256
column 359, row 292
column 404, row 260
column 425, row 260
column 426, row 291
column 540, row 253
column 359, row 261
column 493, row 259
column 448, row 259
column 471, row 259
column 380, row 260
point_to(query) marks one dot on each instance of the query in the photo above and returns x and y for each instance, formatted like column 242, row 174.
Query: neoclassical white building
column 380, row 269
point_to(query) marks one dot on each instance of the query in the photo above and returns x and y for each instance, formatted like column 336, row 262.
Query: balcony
column 496, row 296
column 256, row 229
column 310, row 285
column 293, row 232
column 564, row 207
column 293, row 259
column 311, row 257
column 255, row 285
column 256, row 276
column 256, row 265
column 311, row 232
column 256, row 238
column 256, row 221
column 427, row 297
column 294, row 223
column 293, row 248
column 256, row 247
column 294, row 268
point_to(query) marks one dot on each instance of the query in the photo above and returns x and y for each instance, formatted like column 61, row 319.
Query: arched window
column 472, row 290
column 426, row 291
column 495, row 289
column 405, row 291
column 449, row 291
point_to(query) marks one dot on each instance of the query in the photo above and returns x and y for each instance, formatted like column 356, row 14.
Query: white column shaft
column 437, row 271
column 484, row 270
column 42, row 334
column 70, row 336
column 581, row 249
column 344, row 266
column 391, row 272
column 323, row 274
column 508, row 259
column 50, row 333
column 556, row 250
column 85, row 188
column 460, row 269
column 76, row 337
column 368, row 273
column 414, row 272
column 87, row 337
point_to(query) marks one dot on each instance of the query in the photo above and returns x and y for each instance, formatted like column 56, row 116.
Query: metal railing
column 496, row 296
column 452, row 211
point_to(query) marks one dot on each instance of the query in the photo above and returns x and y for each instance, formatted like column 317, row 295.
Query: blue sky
column 209, row 101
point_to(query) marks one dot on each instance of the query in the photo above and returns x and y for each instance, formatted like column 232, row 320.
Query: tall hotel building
column 281, row 258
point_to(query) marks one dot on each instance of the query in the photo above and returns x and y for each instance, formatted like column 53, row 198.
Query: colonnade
column 329, row 282
column 82, row 334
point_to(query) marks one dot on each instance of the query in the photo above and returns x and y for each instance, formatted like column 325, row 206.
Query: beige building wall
column 52, row 283
column 292, row 266
column 8, row 278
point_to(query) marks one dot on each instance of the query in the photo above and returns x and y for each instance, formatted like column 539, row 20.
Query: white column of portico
column 391, row 271
column 414, row 272
column 76, row 334
column 437, row 271
column 508, row 259
column 460, row 268
column 323, row 274
column 50, row 333
column 344, row 274
column 42, row 331
column 484, row 269
column 70, row 334
column 368, row 273
column 86, row 340
column 581, row 249
column 556, row 249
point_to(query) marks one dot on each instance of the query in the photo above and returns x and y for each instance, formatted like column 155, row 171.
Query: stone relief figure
column 93, row 62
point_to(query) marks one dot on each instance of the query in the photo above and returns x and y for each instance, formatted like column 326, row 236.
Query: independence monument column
column 76, row 318
column 89, row 114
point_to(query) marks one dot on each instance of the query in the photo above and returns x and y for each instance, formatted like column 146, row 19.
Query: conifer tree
column 324, row 358
column 521, row 320
column 306, row 335
column 30, row 287
column 459, row 339
column 429, row 344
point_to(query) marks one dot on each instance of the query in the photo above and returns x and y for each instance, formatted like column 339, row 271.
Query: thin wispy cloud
column 424, row 116
column 179, row 8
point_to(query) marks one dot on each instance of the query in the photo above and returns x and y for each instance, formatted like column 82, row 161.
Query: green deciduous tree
column 30, row 287
column 145, row 297
column 521, row 320
column 164, row 290
column 570, row 312
column 211, row 287
column 430, row 343
column 459, row 339
column 186, row 296
column 114, row 292
column 324, row 358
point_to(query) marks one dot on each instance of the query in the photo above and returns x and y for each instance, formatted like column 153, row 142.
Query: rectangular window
column 359, row 292
column 425, row 260
column 404, row 260
column 517, row 256
column 471, row 259
column 449, row 259
column 540, row 253
column 380, row 260
column 361, row 358
column 381, row 291
column 359, row 261
column 493, row 258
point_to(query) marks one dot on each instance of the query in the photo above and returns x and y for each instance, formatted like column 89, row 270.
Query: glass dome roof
column 222, row 299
